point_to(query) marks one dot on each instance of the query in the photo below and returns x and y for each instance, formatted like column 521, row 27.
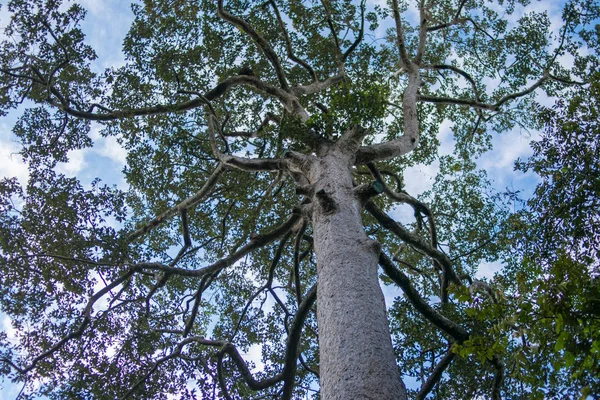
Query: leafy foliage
column 164, row 290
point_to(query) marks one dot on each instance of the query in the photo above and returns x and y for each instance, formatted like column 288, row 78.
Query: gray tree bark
column 356, row 356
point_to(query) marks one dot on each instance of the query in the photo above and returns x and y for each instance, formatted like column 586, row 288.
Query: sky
column 105, row 27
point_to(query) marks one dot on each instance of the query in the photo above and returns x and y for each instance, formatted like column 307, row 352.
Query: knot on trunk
column 327, row 203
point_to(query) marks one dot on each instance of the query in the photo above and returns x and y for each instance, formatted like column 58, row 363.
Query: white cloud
column 108, row 147
column 75, row 164
column 507, row 147
column 255, row 355
column 420, row 178
column 96, row 8
column 487, row 269
column 8, row 328
column 11, row 163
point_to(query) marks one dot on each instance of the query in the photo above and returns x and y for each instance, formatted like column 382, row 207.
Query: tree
column 263, row 142
column 560, row 244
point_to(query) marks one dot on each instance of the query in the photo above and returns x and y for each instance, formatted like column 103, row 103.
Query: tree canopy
column 268, row 144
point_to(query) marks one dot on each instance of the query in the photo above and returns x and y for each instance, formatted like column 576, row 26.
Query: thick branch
column 404, row 59
column 410, row 139
column 351, row 139
column 199, row 101
column 293, row 342
column 316, row 87
column 422, row 32
column 432, row 315
column 296, row 270
column 385, row 151
column 414, row 241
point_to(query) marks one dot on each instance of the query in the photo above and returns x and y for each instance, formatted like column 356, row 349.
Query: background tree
column 257, row 134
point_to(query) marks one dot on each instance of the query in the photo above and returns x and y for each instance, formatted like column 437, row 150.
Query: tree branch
column 404, row 58
column 432, row 315
column 422, row 32
column 288, row 44
column 361, row 32
column 414, row 241
column 318, row 86
column 245, row 164
column 256, row 242
column 85, row 314
column 498, row 377
column 191, row 201
column 484, row 106
column 441, row 67
column 260, row 41
column 199, row 101
column 436, row 375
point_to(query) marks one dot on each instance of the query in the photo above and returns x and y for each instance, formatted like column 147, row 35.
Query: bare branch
column 288, row 44
column 404, row 58
column 385, row 151
column 361, row 32
column 199, row 101
column 436, row 374
column 432, row 315
column 414, row 241
column 245, row 164
column 484, row 106
column 268, row 118
column 293, row 342
column 296, row 270
column 441, row 67
column 260, row 41
column 423, row 15
column 184, row 205
column 256, row 242
column 332, row 27
column 316, row 87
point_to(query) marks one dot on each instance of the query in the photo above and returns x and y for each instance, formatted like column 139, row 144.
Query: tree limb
column 245, row 164
column 260, row 41
column 484, row 106
column 432, row 315
column 414, row 241
column 288, row 44
column 86, row 319
column 400, row 42
column 191, row 201
column 256, row 242
column 436, row 375
column 361, row 32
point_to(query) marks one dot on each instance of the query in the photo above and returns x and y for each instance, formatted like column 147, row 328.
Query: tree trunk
column 356, row 356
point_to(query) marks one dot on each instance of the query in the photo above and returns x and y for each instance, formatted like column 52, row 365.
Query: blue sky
column 106, row 25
